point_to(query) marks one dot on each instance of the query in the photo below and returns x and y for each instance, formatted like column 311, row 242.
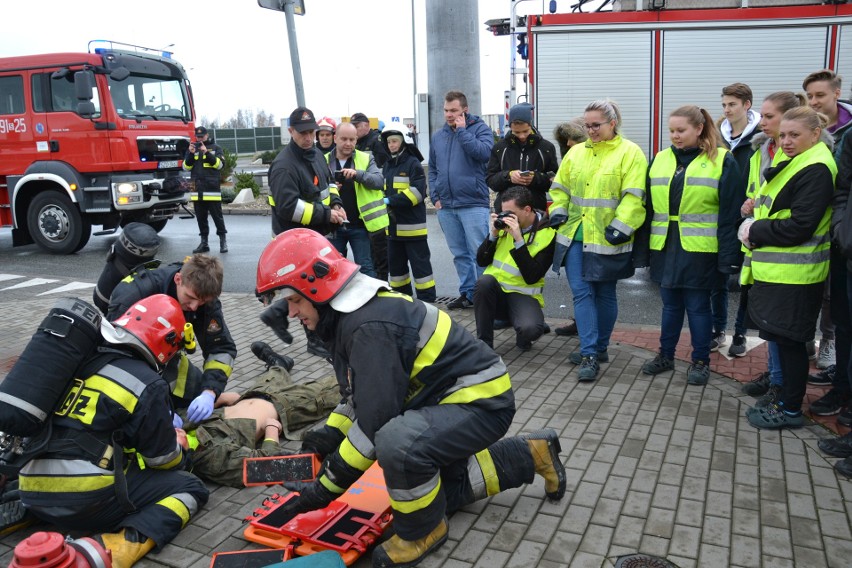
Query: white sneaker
column 826, row 357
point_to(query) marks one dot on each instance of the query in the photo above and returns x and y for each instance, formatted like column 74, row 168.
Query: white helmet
column 396, row 127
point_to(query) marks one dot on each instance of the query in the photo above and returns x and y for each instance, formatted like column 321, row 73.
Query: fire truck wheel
column 56, row 225
column 158, row 225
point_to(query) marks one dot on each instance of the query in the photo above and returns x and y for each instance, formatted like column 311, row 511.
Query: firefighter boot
column 544, row 447
column 202, row 246
column 223, row 244
column 265, row 353
column 399, row 553
column 127, row 546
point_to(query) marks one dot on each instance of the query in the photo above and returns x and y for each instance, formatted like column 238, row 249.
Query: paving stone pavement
column 654, row 466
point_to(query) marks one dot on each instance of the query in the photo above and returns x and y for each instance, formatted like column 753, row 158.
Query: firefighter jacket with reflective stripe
column 601, row 184
column 803, row 263
column 301, row 191
column 368, row 184
column 405, row 188
column 126, row 401
column 697, row 218
column 208, row 322
column 395, row 354
column 520, row 268
column 205, row 172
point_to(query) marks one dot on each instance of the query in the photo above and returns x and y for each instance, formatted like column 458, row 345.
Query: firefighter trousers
column 440, row 458
column 379, row 253
column 213, row 209
column 415, row 252
column 164, row 501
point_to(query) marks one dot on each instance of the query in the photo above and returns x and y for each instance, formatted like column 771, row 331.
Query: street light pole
column 294, row 52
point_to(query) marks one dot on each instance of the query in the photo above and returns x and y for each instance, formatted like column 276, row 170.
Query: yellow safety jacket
column 698, row 215
column 600, row 184
column 506, row 271
column 371, row 202
column 806, row 263
column 755, row 180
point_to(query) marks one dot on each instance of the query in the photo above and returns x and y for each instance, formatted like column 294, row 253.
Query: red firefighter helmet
column 303, row 261
column 326, row 123
column 153, row 326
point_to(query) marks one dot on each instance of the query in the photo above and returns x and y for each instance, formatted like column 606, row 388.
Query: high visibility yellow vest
column 506, row 271
column 698, row 216
column 755, row 180
column 806, row 263
column 371, row 202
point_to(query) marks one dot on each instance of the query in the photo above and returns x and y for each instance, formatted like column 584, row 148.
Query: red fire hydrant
column 51, row 550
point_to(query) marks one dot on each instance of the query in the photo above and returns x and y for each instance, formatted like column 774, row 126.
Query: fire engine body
column 91, row 139
column 652, row 62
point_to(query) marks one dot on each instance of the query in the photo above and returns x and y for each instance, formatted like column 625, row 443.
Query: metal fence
column 248, row 140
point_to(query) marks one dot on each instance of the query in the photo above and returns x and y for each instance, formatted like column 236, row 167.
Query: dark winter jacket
column 532, row 268
column 206, row 172
column 371, row 143
column 791, row 310
column 407, row 209
column 537, row 155
column 297, row 181
column 458, row 161
column 673, row 267
column 841, row 224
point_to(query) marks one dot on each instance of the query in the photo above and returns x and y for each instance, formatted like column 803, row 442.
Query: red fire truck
column 89, row 139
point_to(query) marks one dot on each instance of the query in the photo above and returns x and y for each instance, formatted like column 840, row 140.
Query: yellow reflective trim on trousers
column 339, row 421
column 330, row 485
column 424, row 285
column 211, row 197
column 489, row 389
column 270, row 200
column 172, row 464
column 416, row 504
column 177, row 507
column 353, row 457
column 75, row 484
column 116, row 392
column 433, row 348
column 212, row 364
column 179, row 389
column 489, row 472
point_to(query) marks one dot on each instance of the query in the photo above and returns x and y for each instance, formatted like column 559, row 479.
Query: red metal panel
column 657, row 93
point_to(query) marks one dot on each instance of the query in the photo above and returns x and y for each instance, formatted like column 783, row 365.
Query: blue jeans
column 464, row 229
column 595, row 304
column 773, row 364
column 359, row 239
column 696, row 304
column 719, row 308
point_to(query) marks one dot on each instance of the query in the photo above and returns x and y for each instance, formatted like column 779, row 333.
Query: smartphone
column 339, row 177
column 526, row 173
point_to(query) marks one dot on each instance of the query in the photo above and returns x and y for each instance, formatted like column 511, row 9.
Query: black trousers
column 379, row 250
column 401, row 253
column 840, row 315
column 490, row 302
column 213, row 209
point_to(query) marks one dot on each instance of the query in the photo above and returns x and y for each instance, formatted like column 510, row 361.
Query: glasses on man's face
column 593, row 127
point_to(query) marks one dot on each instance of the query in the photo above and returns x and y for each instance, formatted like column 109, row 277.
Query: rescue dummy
column 423, row 397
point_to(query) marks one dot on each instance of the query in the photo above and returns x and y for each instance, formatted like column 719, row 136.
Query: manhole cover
column 642, row 561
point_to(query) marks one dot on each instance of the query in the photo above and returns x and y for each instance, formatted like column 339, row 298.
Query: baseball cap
column 302, row 119
column 200, row 131
column 359, row 117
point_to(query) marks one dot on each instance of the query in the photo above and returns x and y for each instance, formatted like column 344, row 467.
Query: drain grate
column 642, row 561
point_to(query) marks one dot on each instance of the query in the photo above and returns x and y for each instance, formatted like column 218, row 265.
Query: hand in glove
column 321, row 442
column 177, row 421
column 201, row 408
column 558, row 219
column 275, row 316
column 743, row 232
column 313, row 495
column 615, row 236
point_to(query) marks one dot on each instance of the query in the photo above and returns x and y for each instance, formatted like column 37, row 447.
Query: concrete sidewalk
column 654, row 466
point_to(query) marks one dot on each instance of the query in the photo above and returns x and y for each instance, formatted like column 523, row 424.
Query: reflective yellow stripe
column 488, row 389
column 177, row 507
column 113, row 390
column 270, row 200
column 339, row 421
column 211, row 197
column 489, row 472
column 169, row 465
column 212, row 364
column 192, row 439
column 330, row 485
column 433, row 348
column 416, row 504
column 179, row 389
column 353, row 457
column 51, row 484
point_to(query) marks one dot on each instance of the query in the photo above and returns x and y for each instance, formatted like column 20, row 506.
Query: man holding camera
column 360, row 183
column 205, row 159
column 517, row 254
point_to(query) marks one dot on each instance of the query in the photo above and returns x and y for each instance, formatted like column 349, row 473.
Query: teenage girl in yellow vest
column 694, row 198
column 789, row 243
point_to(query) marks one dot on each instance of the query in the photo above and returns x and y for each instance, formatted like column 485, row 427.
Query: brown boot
column 544, row 447
column 399, row 553
column 126, row 546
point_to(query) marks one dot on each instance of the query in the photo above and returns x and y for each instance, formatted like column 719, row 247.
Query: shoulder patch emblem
column 214, row 327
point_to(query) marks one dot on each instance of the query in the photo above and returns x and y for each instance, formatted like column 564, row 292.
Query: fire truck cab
column 93, row 138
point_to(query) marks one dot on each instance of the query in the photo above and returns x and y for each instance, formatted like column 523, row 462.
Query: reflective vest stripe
column 638, row 192
column 435, row 344
column 594, row 202
column 371, row 205
column 607, row 249
column 505, row 270
column 483, row 474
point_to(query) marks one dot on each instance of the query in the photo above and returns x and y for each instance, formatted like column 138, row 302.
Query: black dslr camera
column 499, row 223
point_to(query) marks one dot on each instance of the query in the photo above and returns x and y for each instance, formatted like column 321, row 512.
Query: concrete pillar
column 452, row 49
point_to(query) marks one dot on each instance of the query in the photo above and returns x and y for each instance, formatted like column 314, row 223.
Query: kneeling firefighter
column 108, row 461
column 432, row 408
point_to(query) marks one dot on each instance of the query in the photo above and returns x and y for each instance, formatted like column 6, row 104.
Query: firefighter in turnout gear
column 196, row 285
column 205, row 160
column 109, row 461
column 432, row 410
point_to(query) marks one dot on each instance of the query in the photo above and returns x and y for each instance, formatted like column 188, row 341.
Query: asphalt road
column 639, row 301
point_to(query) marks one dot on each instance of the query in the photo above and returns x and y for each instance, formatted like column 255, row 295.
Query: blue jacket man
column 458, row 159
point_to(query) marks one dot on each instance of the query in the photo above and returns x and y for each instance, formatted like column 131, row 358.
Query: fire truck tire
column 157, row 225
column 56, row 225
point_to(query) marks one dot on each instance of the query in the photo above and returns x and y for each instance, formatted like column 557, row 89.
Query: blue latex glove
column 201, row 408
column 387, row 201
column 177, row 421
